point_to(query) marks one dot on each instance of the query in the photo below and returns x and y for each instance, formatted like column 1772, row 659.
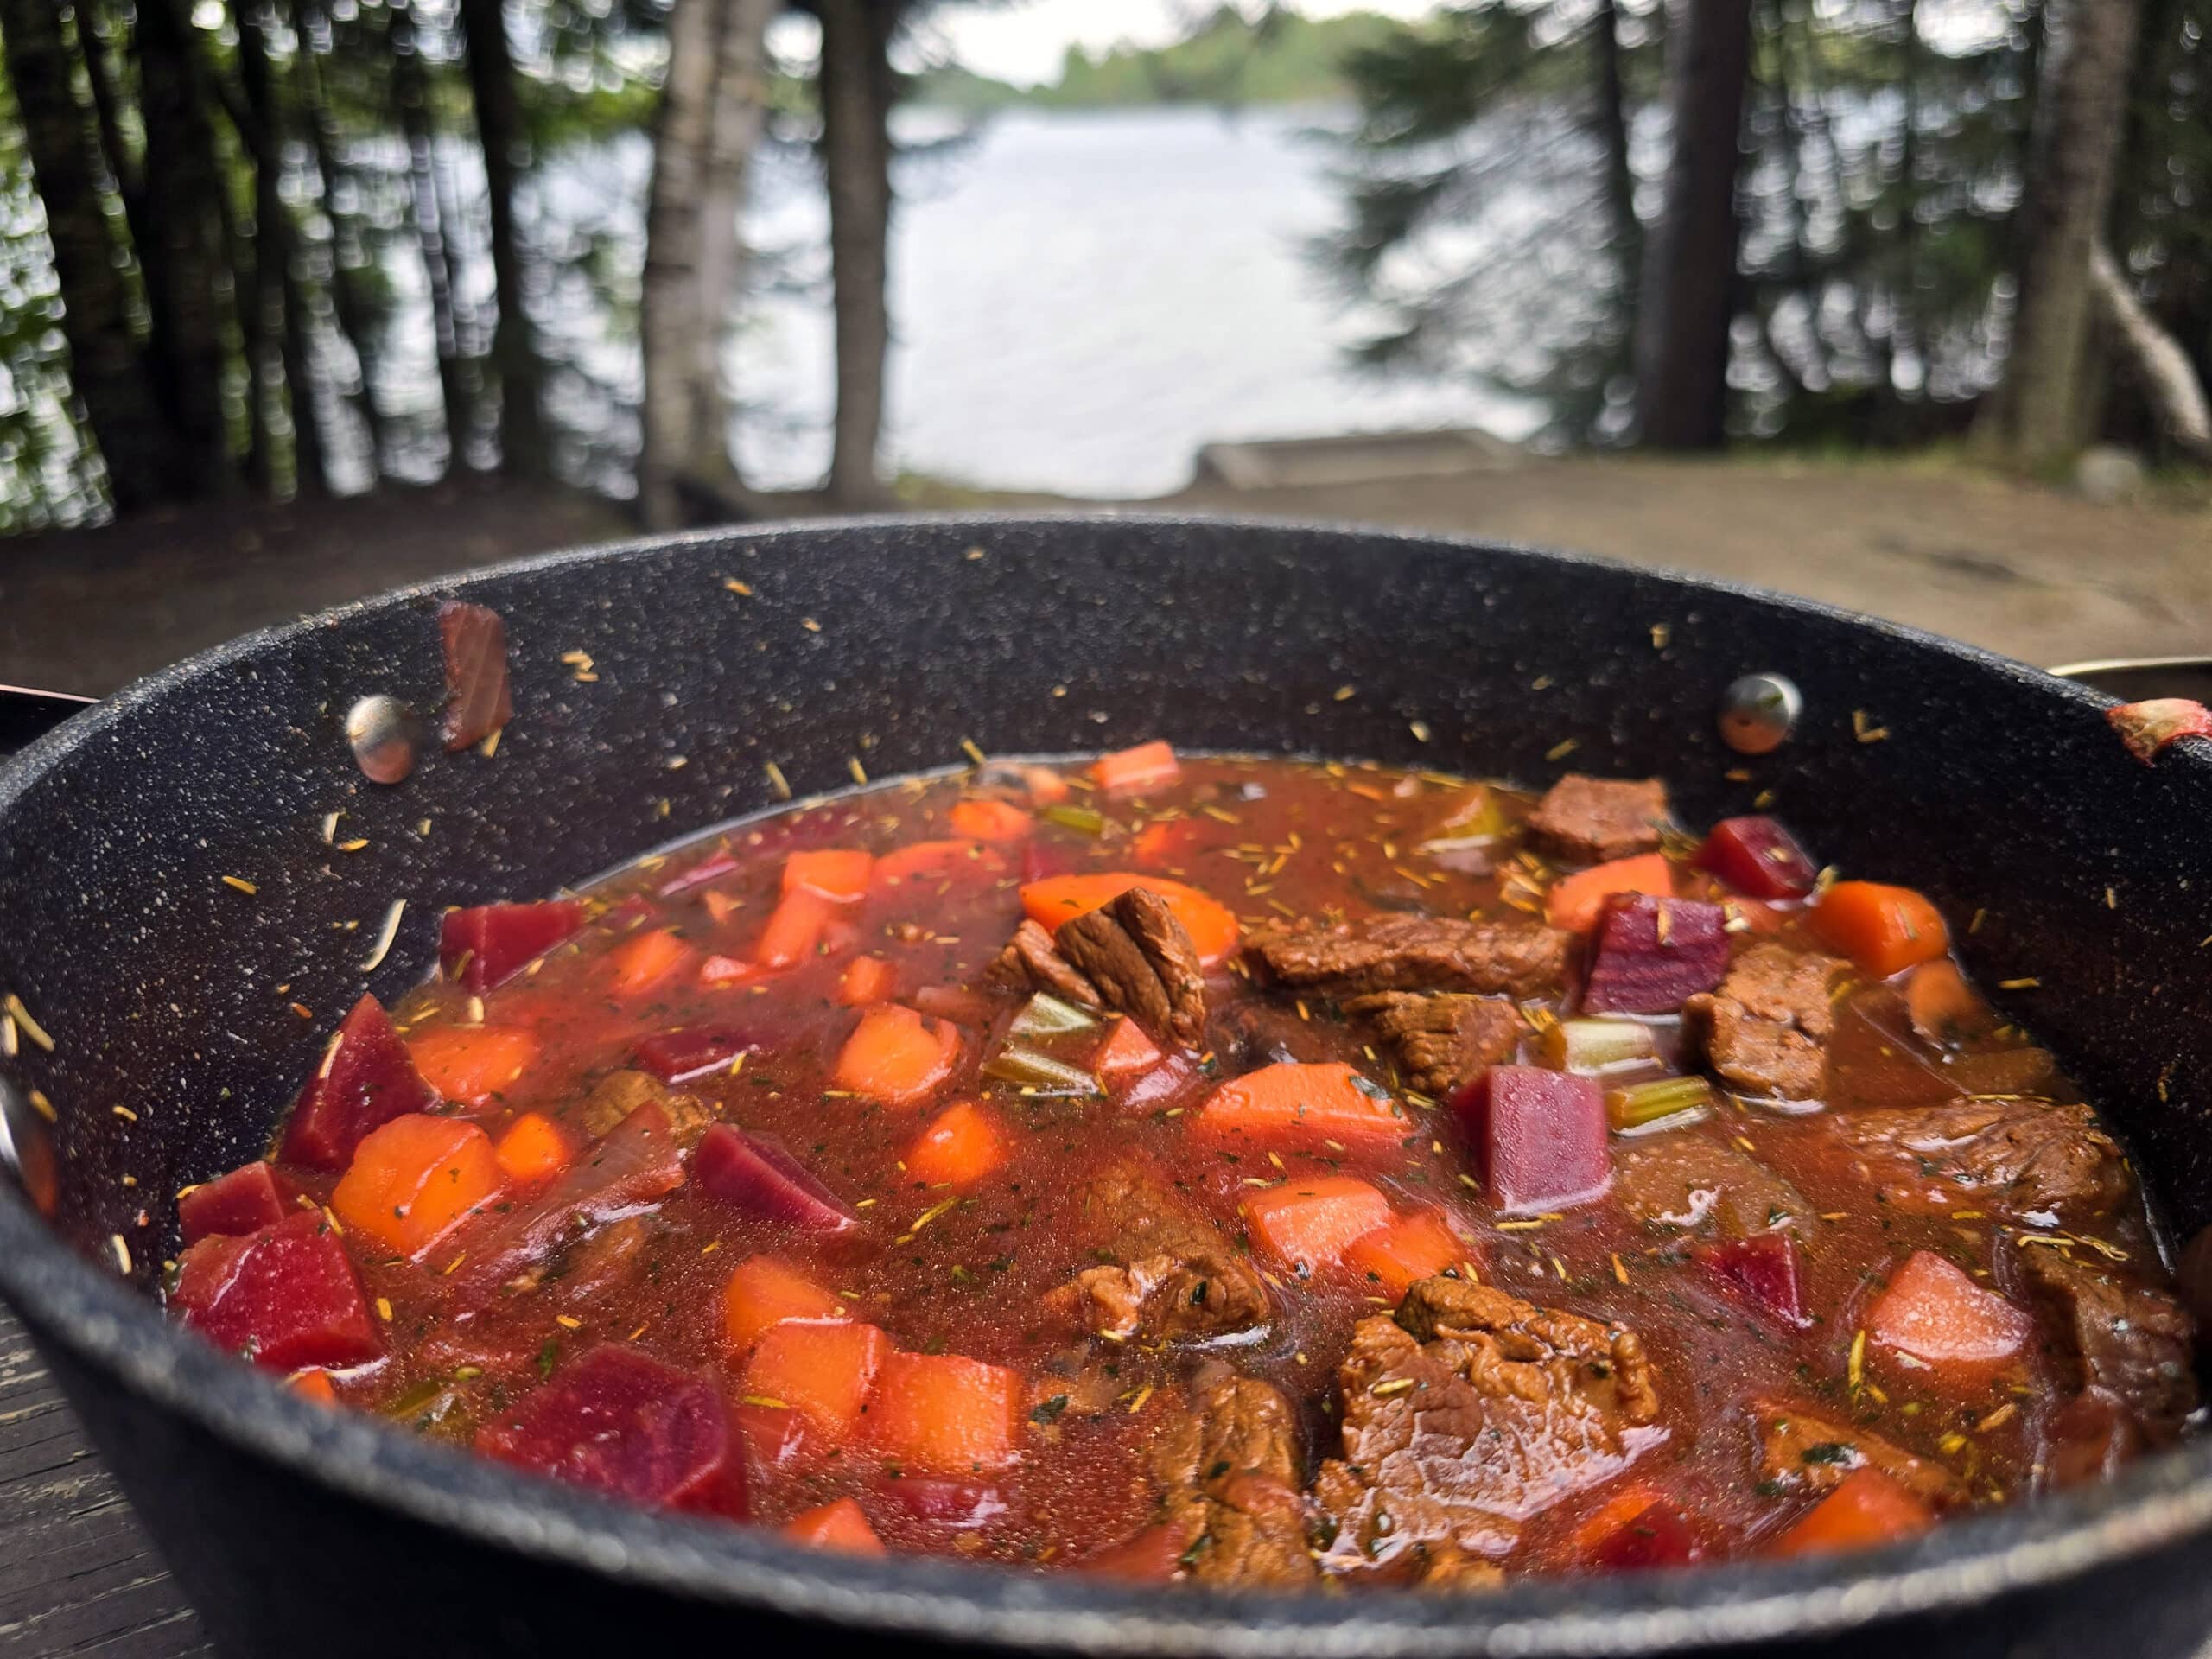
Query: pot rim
column 104, row 1327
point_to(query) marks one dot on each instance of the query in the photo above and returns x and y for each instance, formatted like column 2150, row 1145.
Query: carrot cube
column 531, row 1149
column 1933, row 1314
column 1400, row 1253
column 866, row 979
column 934, row 860
column 1309, row 1104
column 837, row 873
column 940, row 1414
column 838, row 1526
column 1881, row 928
column 1125, row 1051
column 1866, row 1508
column 414, row 1179
column 471, row 1063
column 794, row 928
column 823, row 1370
column 1147, row 766
column 897, row 1057
column 313, row 1384
column 1307, row 1224
column 647, row 959
column 1574, row 901
column 961, row 1146
column 988, row 820
column 762, row 1293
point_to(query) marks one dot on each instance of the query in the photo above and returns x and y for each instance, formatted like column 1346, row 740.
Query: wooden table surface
column 77, row 1573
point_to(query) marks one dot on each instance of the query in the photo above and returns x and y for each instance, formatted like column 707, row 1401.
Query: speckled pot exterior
column 297, row 1530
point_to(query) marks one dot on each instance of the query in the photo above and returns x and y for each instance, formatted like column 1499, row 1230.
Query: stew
column 1227, row 1169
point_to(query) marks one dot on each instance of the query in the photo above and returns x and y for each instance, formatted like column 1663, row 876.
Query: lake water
column 1080, row 301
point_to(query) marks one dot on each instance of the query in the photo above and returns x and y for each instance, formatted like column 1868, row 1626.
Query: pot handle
column 2135, row 679
column 26, row 714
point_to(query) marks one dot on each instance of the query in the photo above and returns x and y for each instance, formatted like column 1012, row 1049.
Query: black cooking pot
column 171, row 992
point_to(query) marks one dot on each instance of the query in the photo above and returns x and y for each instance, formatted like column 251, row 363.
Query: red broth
column 815, row 1267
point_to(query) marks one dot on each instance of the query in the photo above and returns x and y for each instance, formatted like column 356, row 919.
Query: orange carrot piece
column 840, row 1525
column 1162, row 841
column 896, row 1056
column 1402, row 1252
column 962, row 1144
column 1058, row 898
column 471, row 1064
column 1866, row 1508
column 866, row 979
column 1046, row 787
column 794, row 928
column 313, row 1384
column 1308, row 1223
column 823, row 1370
column 1575, row 900
column 533, row 1149
column 762, row 1293
column 943, row 1414
column 1308, row 1104
column 1941, row 1005
column 925, row 860
column 416, row 1178
column 1882, row 928
column 1125, row 1051
column 1933, row 1313
column 1610, row 1517
column 838, row 873
column 989, row 820
column 645, row 960
column 1147, row 766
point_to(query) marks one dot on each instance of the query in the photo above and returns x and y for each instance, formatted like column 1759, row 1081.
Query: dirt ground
column 2023, row 569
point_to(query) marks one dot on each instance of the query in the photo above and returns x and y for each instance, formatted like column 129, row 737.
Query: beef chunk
column 1800, row 1449
column 2020, row 1156
column 1167, row 1274
column 1031, row 958
column 1250, row 1034
column 2127, row 1340
column 1468, row 1412
column 1415, row 953
column 1228, row 1471
column 1443, row 1043
column 1681, row 1179
column 1592, row 819
column 1142, row 961
column 620, row 1093
column 1766, row 1027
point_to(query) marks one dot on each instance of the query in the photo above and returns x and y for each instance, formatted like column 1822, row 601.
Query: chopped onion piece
column 1645, row 1105
column 1047, row 1016
column 1590, row 1048
column 1039, row 1074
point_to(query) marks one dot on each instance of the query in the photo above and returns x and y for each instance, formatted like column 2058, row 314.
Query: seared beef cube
column 1470, row 1411
column 1590, row 820
column 1803, row 1451
column 1168, row 1272
column 1415, row 953
column 1765, row 1029
column 2020, row 1156
column 1142, row 961
column 1227, row 1470
column 1443, row 1043
column 620, row 1093
column 1032, row 959
column 2127, row 1340
column 1685, row 1179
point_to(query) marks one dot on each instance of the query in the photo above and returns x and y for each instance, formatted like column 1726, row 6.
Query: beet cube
column 753, row 1173
column 692, row 1051
column 1538, row 1135
column 1649, row 955
column 488, row 942
column 1657, row 1535
column 1758, row 858
column 962, row 1504
column 477, row 700
column 366, row 1079
column 1763, row 1270
column 284, row 1297
column 244, row 1201
column 623, row 1423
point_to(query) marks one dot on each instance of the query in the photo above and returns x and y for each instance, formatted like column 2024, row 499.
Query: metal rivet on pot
column 1758, row 712
column 387, row 737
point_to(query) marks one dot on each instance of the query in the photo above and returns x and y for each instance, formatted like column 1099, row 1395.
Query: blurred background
column 1903, row 304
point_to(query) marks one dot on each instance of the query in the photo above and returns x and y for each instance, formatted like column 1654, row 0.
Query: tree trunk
column 855, row 86
column 410, row 93
column 185, row 256
column 1690, row 271
column 500, row 126
column 741, row 104
column 2036, row 416
column 1611, row 125
column 146, row 464
column 2169, row 379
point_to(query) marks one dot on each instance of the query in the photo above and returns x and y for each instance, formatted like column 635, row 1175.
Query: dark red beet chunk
column 1538, row 1135
column 1758, row 858
column 477, row 701
column 1660, row 1536
column 1763, row 1270
column 673, row 1056
column 244, row 1201
column 754, row 1173
column 365, row 1080
column 1152, row 1556
column 775, row 1436
column 622, row 1423
column 1650, row 955
column 957, row 1504
column 284, row 1297
column 633, row 1163
column 487, row 943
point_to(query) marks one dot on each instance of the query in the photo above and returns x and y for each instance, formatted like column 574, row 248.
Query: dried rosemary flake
column 241, row 884
column 777, row 781
column 42, row 1106
column 1561, row 749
